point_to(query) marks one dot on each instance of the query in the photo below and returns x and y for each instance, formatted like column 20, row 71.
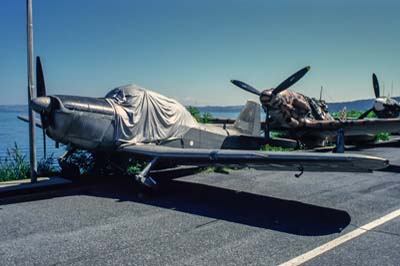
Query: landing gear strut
column 339, row 148
column 144, row 178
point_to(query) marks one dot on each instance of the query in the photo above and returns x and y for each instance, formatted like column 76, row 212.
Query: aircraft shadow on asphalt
column 246, row 208
column 225, row 204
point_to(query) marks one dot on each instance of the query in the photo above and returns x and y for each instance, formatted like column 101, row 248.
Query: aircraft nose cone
column 41, row 104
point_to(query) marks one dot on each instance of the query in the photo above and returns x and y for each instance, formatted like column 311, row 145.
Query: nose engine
column 45, row 106
column 266, row 98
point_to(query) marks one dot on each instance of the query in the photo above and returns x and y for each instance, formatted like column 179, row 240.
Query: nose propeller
column 375, row 83
column 245, row 87
column 40, row 85
column 287, row 83
column 42, row 104
column 291, row 80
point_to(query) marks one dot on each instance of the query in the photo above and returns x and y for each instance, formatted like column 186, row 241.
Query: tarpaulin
column 144, row 116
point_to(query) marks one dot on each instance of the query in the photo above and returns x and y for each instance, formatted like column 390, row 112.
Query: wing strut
column 144, row 178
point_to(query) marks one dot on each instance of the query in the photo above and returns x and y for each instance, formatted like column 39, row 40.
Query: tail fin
column 248, row 122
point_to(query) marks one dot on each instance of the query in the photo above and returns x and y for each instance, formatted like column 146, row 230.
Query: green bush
column 13, row 166
column 353, row 114
column 134, row 169
column 383, row 136
column 46, row 167
column 81, row 161
column 268, row 147
column 194, row 112
column 202, row 118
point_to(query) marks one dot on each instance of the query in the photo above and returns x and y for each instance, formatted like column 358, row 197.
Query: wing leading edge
column 283, row 161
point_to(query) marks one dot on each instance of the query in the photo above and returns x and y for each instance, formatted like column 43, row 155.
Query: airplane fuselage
column 90, row 123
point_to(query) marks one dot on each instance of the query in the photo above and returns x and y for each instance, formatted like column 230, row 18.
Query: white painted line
column 340, row 240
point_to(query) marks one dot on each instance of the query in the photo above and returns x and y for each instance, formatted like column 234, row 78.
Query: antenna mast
column 320, row 93
column 32, row 133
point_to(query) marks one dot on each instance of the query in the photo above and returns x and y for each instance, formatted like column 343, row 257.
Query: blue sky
column 189, row 50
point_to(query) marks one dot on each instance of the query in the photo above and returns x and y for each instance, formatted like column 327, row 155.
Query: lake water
column 13, row 130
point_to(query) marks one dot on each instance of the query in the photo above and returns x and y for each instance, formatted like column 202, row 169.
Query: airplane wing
column 352, row 127
column 284, row 161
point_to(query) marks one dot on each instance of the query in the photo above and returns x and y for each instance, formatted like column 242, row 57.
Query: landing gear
column 339, row 148
column 144, row 177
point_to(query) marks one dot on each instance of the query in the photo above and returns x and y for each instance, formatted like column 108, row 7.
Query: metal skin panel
column 75, row 123
column 86, row 104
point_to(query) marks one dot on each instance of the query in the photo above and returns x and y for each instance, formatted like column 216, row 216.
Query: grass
column 353, row 114
column 13, row 166
column 134, row 169
column 221, row 170
column 383, row 136
column 268, row 147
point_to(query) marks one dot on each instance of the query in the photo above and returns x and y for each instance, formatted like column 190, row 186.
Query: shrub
column 268, row 147
column 202, row 118
column 13, row 166
column 46, row 167
column 383, row 136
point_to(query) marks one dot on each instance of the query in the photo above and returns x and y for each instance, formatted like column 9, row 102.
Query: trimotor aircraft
column 296, row 116
column 140, row 123
column 384, row 107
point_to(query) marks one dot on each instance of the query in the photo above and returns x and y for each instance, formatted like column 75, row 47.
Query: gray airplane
column 140, row 123
column 384, row 107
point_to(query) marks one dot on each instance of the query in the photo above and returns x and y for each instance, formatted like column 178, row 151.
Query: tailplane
column 248, row 122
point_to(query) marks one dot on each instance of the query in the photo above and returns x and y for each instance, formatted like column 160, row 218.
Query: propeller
column 245, row 87
column 376, row 85
column 40, row 85
column 291, row 80
column 280, row 88
column 366, row 113
column 40, row 92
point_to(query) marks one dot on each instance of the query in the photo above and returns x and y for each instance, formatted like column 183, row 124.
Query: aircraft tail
column 248, row 122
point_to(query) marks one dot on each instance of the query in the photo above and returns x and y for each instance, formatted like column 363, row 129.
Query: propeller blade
column 40, row 92
column 365, row 113
column 291, row 80
column 246, row 87
column 40, row 85
column 44, row 143
column 376, row 85
column 267, row 134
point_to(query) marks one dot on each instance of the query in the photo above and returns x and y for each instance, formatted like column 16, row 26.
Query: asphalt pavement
column 246, row 217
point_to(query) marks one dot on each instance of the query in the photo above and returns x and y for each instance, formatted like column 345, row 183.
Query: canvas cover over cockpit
column 144, row 116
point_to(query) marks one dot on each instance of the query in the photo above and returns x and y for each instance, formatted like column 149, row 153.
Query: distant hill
column 357, row 105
